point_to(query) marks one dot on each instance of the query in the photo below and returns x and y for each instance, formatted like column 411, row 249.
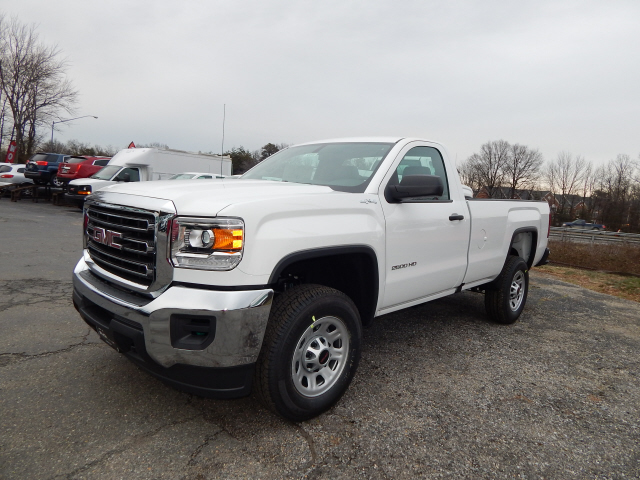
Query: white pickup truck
column 265, row 282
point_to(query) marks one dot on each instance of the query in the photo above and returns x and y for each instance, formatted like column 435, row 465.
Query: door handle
column 455, row 216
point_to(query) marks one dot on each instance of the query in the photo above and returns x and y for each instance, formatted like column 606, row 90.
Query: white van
column 144, row 164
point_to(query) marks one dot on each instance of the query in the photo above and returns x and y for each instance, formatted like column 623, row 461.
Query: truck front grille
column 122, row 242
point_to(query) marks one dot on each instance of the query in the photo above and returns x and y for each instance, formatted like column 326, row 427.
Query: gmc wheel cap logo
column 106, row 237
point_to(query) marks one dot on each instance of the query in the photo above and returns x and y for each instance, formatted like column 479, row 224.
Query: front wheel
column 505, row 299
column 310, row 351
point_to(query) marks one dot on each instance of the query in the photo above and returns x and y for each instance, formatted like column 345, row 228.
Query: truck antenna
column 224, row 115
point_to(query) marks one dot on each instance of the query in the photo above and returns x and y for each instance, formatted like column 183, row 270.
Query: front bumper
column 156, row 333
column 75, row 197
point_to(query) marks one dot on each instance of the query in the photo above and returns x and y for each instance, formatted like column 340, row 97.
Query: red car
column 80, row 166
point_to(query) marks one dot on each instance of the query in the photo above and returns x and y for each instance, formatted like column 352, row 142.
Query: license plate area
column 106, row 339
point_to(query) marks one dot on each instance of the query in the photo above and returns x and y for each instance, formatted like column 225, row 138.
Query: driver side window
column 422, row 161
column 134, row 175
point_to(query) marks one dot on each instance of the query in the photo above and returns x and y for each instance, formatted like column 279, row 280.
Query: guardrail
column 583, row 235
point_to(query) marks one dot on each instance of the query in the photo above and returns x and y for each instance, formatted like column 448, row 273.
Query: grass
column 609, row 258
column 623, row 286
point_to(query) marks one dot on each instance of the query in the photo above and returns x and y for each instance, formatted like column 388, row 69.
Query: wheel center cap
column 324, row 357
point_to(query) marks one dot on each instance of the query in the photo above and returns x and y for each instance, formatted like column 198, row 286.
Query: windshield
column 182, row 176
column 346, row 167
column 107, row 172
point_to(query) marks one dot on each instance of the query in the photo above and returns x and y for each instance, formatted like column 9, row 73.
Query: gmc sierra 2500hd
column 265, row 282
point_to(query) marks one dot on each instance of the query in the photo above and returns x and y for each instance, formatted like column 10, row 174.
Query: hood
column 208, row 197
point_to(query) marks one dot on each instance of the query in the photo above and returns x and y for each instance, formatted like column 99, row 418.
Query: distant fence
column 582, row 235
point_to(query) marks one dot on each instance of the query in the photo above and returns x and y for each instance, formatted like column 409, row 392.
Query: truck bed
column 489, row 240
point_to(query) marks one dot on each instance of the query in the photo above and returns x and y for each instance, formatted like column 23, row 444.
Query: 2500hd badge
column 404, row 265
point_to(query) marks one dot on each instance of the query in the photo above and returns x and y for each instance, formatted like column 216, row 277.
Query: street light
column 67, row 120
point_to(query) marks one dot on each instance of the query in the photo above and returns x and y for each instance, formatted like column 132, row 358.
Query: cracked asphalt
column 440, row 391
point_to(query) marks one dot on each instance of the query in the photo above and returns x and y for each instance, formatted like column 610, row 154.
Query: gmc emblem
column 106, row 237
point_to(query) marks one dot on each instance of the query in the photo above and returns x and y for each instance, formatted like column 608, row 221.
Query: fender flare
column 314, row 253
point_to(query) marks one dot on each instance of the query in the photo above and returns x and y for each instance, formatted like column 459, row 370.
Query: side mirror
column 414, row 186
column 468, row 193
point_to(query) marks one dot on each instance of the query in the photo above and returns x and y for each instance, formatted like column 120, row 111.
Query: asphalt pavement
column 440, row 392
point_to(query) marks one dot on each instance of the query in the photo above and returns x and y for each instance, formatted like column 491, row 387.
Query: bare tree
column 564, row 175
column 32, row 79
column 488, row 167
column 75, row 147
column 5, row 125
column 522, row 168
column 588, row 187
column 616, row 190
column 469, row 176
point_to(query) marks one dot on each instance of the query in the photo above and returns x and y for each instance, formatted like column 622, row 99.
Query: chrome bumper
column 74, row 196
column 240, row 319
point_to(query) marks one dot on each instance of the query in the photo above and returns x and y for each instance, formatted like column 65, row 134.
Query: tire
column 56, row 182
column 26, row 193
column 310, row 352
column 505, row 299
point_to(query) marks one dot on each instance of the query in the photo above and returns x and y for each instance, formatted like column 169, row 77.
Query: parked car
column 13, row 174
column 579, row 223
column 80, row 166
column 42, row 168
column 195, row 176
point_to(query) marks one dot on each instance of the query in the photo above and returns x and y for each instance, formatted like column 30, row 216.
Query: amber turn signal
column 228, row 239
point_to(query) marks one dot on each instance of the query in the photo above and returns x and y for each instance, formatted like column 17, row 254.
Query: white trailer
column 146, row 164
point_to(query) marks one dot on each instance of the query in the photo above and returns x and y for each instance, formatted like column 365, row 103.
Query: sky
column 553, row 75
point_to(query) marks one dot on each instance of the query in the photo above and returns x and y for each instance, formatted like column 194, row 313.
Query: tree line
column 243, row 159
column 575, row 188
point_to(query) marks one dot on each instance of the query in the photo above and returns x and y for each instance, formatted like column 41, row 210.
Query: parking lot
column 440, row 391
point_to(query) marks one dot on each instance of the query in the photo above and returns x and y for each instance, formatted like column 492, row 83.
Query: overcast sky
column 554, row 75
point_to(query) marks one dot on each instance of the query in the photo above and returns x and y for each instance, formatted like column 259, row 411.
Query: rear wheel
column 505, row 299
column 310, row 351
column 27, row 192
column 56, row 182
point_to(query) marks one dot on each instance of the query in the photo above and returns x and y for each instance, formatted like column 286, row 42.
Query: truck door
column 426, row 245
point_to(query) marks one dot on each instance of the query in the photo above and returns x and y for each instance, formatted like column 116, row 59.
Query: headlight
column 84, row 190
column 206, row 243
